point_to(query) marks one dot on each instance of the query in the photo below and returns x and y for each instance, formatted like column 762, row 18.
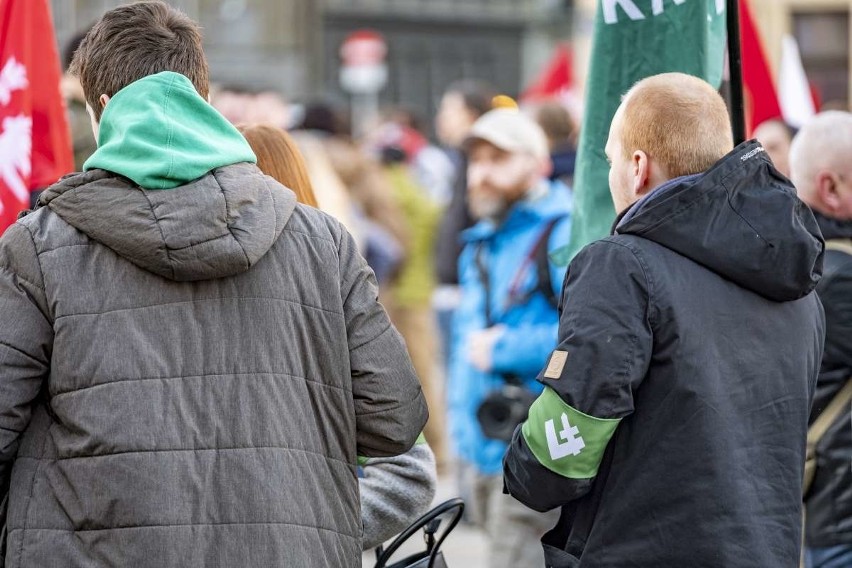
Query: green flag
column 634, row 39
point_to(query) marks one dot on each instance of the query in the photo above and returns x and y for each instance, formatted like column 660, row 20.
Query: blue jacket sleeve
column 523, row 349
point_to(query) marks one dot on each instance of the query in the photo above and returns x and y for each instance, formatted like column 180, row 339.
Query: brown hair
column 133, row 41
column 678, row 120
column 279, row 157
column 557, row 123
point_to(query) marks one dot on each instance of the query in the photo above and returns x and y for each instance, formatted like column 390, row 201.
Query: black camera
column 502, row 411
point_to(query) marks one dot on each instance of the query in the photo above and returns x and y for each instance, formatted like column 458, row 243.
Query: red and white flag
column 794, row 90
column 35, row 144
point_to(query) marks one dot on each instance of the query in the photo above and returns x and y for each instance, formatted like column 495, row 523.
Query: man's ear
column 103, row 100
column 641, row 173
column 827, row 191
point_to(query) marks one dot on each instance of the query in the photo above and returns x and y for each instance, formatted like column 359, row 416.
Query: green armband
column 563, row 439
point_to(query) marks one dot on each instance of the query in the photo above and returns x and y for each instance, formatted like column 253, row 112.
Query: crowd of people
column 241, row 336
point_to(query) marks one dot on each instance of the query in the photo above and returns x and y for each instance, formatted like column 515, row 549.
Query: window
column 824, row 44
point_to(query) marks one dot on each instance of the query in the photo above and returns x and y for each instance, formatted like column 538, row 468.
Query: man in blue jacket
column 507, row 323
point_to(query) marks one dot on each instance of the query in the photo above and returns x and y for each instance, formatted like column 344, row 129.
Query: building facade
column 292, row 46
column 821, row 28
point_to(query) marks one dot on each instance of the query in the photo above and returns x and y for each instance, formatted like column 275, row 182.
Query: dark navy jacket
column 672, row 426
column 829, row 502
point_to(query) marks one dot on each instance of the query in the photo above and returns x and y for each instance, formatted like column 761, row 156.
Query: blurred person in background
column 397, row 490
column 411, row 291
column 387, row 235
column 191, row 361
column 506, row 324
column 244, row 105
column 231, row 101
column 776, row 136
column 821, row 170
column 331, row 193
column 83, row 143
column 431, row 167
column 562, row 136
column 461, row 105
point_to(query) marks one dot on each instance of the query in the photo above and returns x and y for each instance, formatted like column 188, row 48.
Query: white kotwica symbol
column 15, row 134
column 571, row 443
column 13, row 77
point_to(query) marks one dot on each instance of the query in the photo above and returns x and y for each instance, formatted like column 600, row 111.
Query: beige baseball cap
column 510, row 130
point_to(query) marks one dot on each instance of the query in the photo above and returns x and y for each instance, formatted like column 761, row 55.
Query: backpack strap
column 542, row 262
column 827, row 417
column 842, row 245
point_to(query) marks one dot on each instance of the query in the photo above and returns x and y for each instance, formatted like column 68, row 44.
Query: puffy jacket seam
column 196, row 301
column 20, row 352
column 37, row 257
column 181, row 377
column 30, row 497
column 160, row 526
column 21, row 278
column 60, row 247
column 397, row 408
column 162, row 234
column 228, row 220
column 185, row 450
column 374, row 338
column 317, row 237
column 199, row 243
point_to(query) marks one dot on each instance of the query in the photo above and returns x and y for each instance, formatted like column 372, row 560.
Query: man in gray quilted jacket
column 190, row 362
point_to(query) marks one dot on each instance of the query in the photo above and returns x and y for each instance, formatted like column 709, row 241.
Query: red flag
column 556, row 79
column 761, row 97
column 35, row 144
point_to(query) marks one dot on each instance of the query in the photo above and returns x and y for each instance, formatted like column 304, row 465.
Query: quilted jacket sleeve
column 390, row 408
column 26, row 340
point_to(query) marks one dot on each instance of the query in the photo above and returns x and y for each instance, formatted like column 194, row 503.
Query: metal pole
column 735, row 66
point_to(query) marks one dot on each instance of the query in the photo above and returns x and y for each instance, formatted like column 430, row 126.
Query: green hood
column 161, row 134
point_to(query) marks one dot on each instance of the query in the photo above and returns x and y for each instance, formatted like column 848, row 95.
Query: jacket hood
column 740, row 219
column 160, row 133
column 216, row 226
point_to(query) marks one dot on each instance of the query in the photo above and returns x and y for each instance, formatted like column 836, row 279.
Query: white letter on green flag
column 687, row 36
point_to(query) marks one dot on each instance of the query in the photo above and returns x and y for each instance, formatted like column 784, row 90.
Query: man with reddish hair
column 190, row 361
column 671, row 429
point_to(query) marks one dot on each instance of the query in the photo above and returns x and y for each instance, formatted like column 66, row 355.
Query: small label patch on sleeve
column 557, row 363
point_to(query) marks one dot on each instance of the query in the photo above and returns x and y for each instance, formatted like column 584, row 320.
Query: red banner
column 35, row 144
column 761, row 97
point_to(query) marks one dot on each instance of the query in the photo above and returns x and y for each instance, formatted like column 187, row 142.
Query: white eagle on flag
column 15, row 133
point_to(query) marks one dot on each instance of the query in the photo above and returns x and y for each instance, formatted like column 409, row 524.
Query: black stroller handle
column 430, row 522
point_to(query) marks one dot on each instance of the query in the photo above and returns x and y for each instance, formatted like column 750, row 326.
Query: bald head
column 667, row 126
column 821, row 163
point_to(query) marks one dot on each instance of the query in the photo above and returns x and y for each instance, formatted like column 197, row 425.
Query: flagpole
column 735, row 66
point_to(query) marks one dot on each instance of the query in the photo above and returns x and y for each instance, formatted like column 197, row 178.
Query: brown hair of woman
column 279, row 157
